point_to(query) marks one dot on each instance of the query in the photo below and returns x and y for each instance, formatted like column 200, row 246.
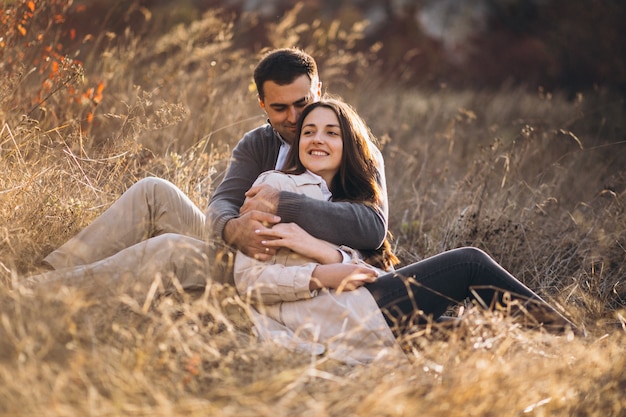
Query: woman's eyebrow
column 328, row 125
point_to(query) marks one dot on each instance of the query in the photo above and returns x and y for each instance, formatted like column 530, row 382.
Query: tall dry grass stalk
column 534, row 179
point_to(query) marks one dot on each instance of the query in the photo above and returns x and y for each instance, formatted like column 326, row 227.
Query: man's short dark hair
column 283, row 66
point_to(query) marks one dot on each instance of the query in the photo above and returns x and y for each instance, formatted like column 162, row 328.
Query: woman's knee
column 472, row 254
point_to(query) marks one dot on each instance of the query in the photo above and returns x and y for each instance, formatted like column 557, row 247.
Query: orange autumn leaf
column 31, row 6
column 21, row 29
column 87, row 96
column 89, row 117
column 97, row 97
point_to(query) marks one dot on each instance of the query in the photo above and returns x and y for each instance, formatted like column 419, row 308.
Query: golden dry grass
column 534, row 179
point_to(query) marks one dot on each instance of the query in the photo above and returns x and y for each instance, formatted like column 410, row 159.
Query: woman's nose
column 318, row 138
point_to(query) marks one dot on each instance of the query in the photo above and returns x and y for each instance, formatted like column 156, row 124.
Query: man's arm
column 255, row 153
column 356, row 225
column 350, row 224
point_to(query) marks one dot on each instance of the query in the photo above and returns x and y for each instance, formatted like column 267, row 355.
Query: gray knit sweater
column 342, row 223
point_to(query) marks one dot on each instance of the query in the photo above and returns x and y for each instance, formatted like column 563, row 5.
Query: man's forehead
column 300, row 90
column 289, row 102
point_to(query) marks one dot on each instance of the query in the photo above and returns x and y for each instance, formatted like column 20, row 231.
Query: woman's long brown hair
column 357, row 179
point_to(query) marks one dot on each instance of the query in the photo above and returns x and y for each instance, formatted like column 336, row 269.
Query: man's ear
column 261, row 102
column 319, row 89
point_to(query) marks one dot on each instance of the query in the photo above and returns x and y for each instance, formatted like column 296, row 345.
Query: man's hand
column 241, row 233
column 261, row 197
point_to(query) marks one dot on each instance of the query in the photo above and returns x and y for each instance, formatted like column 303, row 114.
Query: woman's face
column 321, row 145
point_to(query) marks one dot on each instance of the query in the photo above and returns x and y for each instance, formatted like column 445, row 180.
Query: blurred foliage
column 556, row 44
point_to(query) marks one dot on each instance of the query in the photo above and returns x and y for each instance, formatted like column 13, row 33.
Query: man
column 154, row 229
column 286, row 81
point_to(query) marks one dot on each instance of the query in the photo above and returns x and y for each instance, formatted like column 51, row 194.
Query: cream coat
column 348, row 326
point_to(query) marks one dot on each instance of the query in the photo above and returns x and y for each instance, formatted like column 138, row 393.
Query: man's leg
column 133, row 270
column 150, row 207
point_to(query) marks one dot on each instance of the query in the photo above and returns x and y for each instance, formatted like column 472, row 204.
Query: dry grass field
column 535, row 178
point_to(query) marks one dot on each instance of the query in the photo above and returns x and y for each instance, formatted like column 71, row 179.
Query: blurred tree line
column 555, row 44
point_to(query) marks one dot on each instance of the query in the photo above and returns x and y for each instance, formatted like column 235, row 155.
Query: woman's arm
column 293, row 276
column 292, row 236
column 342, row 277
column 274, row 283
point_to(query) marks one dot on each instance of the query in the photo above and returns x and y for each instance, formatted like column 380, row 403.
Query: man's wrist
column 229, row 233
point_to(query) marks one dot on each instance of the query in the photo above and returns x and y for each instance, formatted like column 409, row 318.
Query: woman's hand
column 342, row 277
column 292, row 236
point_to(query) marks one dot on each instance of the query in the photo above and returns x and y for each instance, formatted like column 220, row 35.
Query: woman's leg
column 150, row 207
column 133, row 270
column 427, row 288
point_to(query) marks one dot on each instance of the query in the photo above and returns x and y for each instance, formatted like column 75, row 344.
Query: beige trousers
column 152, row 233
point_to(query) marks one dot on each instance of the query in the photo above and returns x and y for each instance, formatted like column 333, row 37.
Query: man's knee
column 185, row 254
column 179, row 247
column 150, row 184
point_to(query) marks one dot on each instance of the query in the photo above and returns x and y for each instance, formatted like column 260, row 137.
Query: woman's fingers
column 356, row 280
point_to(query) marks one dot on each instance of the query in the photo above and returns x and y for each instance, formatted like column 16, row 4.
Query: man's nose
column 293, row 115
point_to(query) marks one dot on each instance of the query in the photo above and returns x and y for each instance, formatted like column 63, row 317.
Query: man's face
column 283, row 104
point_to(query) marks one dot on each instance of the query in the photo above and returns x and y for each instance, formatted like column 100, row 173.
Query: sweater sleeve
column 255, row 153
column 342, row 223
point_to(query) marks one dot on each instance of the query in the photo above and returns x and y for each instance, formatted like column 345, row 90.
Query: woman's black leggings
column 426, row 289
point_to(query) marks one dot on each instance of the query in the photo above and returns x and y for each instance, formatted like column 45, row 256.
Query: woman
column 325, row 298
